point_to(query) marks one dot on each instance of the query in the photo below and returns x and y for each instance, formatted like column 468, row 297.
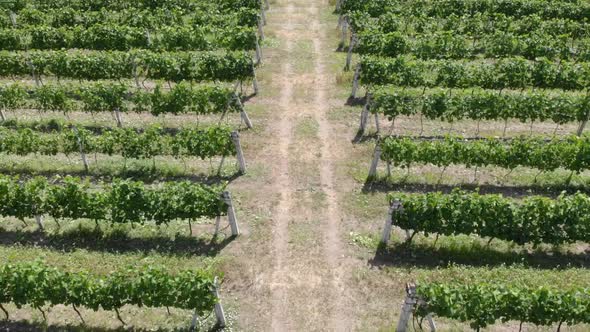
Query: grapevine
column 576, row 9
column 535, row 220
column 517, row 73
column 475, row 26
column 97, row 65
column 477, row 104
column 37, row 284
column 450, row 45
column 185, row 5
column 572, row 153
column 484, row 304
column 131, row 17
column 127, row 142
column 122, row 201
column 182, row 98
column 117, row 37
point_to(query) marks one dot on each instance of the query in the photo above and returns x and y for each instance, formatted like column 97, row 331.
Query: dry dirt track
column 305, row 281
column 311, row 262
column 321, row 277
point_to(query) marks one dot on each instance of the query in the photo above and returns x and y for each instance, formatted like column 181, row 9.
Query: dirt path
column 309, row 271
column 283, row 185
column 333, row 247
column 308, row 261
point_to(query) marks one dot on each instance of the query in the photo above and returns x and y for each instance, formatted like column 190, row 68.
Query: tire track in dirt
column 283, row 186
column 333, row 247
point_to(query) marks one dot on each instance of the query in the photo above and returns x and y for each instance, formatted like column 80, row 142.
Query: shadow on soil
column 35, row 327
column 356, row 101
column 58, row 126
column 147, row 175
column 550, row 190
column 363, row 138
column 430, row 256
column 116, row 241
column 368, row 136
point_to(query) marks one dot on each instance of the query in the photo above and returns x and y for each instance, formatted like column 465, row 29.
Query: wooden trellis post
column 260, row 30
column 243, row 113
column 194, row 323
column 263, row 16
column 407, row 308
column 388, row 169
column 13, row 19
column 218, row 309
column 235, row 137
column 34, row 73
column 364, row 117
column 375, row 161
column 258, row 52
column 396, row 205
column 377, row 126
column 344, row 27
column 353, row 42
column 410, row 303
column 118, row 117
column 231, row 214
column 81, row 146
column 355, row 81
column 254, row 80
column 39, row 220
column 148, row 37
column 583, row 125
column 135, row 75
column 585, row 122
column 219, row 313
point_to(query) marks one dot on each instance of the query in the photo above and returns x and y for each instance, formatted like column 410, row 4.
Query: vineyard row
column 127, row 142
column 484, row 304
column 449, row 45
column 570, row 9
column 121, row 201
column 474, row 26
column 38, row 285
column 97, row 65
column 477, row 104
column 182, row 98
column 571, row 153
column 138, row 18
column 93, row 5
column 122, row 38
column 516, row 73
column 535, row 220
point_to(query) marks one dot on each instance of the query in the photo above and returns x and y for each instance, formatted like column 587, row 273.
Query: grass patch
column 304, row 63
column 307, row 128
column 368, row 241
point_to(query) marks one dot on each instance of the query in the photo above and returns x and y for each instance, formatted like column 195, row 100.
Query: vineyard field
column 478, row 146
column 294, row 165
column 116, row 120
